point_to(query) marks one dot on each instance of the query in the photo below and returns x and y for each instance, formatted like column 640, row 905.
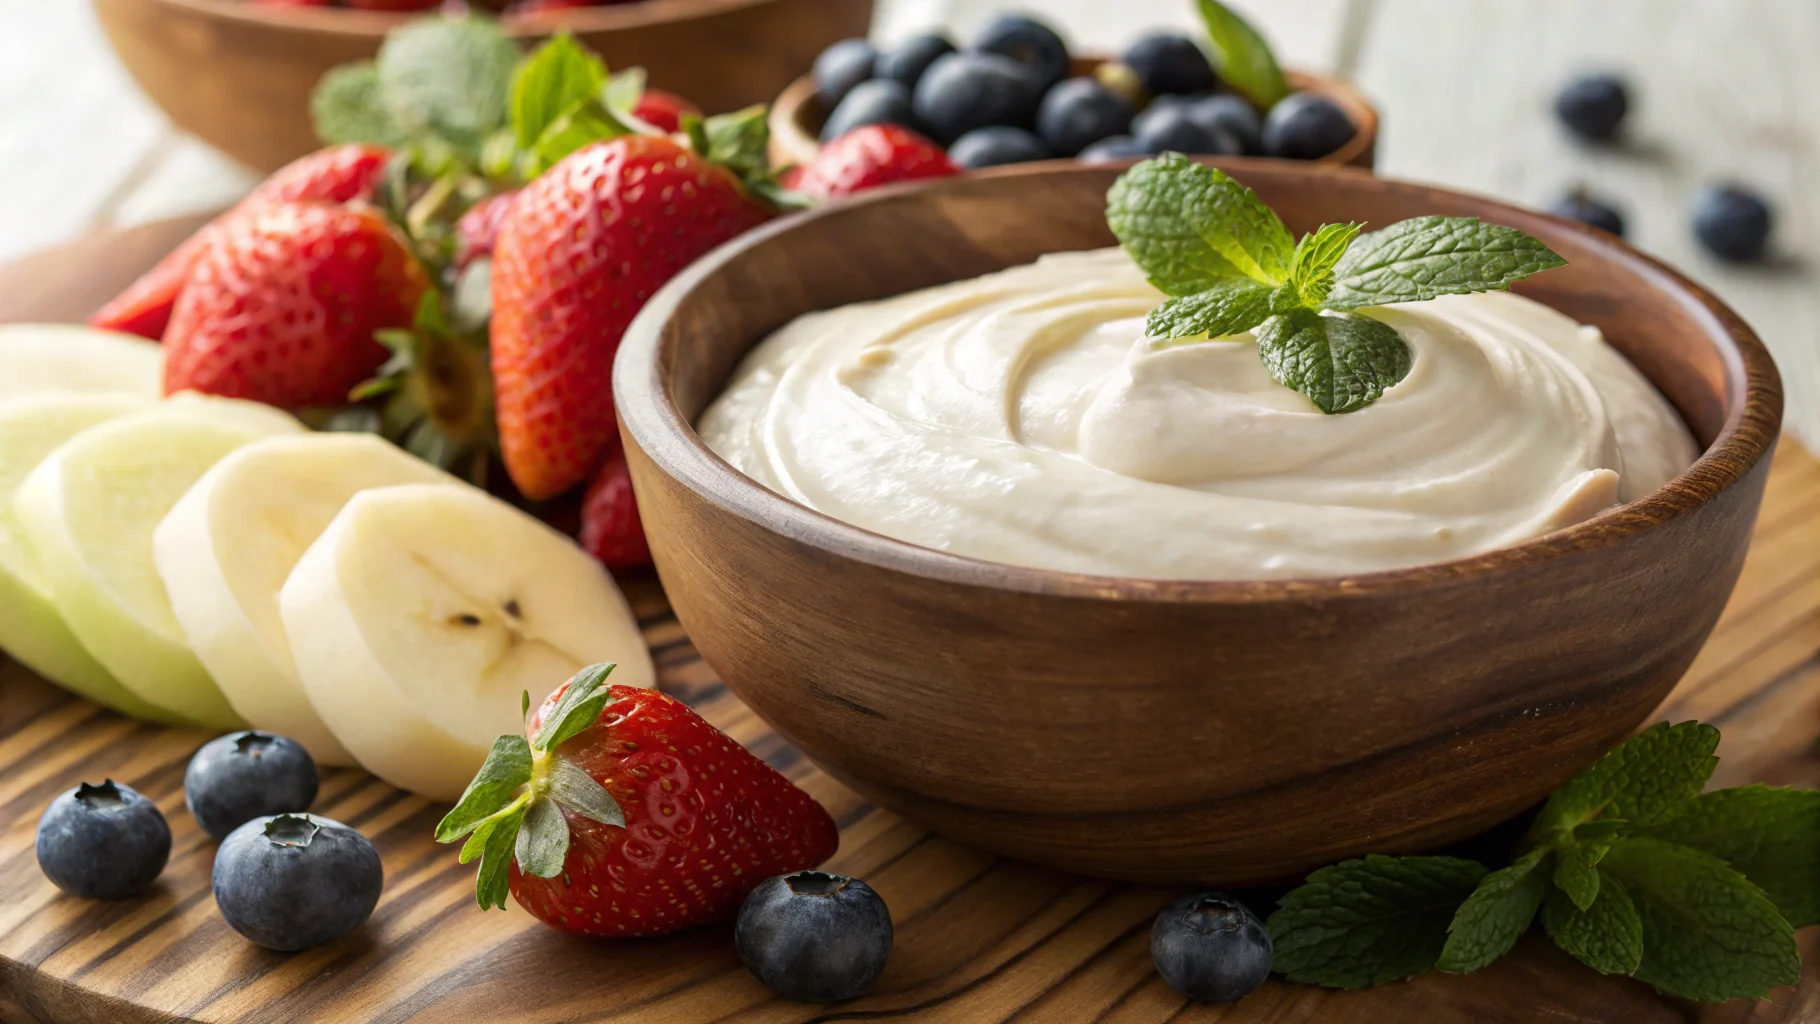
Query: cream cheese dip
column 1023, row 417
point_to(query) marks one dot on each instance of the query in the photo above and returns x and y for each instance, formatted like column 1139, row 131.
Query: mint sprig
column 1242, row 57
column 1231, row 266
column 1630, row 869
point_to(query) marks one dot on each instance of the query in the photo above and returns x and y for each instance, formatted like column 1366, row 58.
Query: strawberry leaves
column 579, row 707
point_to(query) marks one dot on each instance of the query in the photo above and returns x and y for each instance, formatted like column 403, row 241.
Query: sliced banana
column 89, row 511
column 36, row 358
column 423, row 612
column 226, row 548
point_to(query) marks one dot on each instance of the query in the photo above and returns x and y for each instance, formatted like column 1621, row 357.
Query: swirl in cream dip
column 1023, row 417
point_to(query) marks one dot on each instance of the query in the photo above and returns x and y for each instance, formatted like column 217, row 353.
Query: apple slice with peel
column 89, row 510
column 424, row 611
column 31, row 427
column 227, row 547
column 67, row 357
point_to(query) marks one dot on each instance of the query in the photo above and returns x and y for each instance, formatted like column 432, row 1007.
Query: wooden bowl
column 1222, row 732
column 239, row 76
column 796, row 117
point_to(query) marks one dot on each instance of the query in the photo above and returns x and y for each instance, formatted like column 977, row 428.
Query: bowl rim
column 650, row 417
column 375, row 24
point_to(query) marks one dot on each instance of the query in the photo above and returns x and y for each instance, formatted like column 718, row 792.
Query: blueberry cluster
column 1010, row 97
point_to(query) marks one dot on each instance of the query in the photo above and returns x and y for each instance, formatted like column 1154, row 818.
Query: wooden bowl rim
column 649, row 415
column 375, row 24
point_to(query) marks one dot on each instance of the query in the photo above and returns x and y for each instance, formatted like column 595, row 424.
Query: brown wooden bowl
column 239, row 76
column 1220, row 732
column 796, row 117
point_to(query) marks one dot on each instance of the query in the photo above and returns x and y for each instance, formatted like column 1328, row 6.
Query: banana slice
column 31, row 427
column 424, row 611
column 89, row 510
column 226, row 548
column 68, row 357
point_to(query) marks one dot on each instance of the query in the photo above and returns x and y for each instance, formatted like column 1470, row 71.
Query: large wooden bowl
column 239, row 76
column 1168, row 731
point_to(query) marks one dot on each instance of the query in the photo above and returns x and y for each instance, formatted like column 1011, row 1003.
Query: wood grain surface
column 979, row 938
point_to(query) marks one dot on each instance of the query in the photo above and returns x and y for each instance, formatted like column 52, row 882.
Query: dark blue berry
column 1731, row 223
column 907, row 61
column 1305, row 126
column 814, row 936
column 1231, row 113
column 880, row 101
column 995, row 145
column 1118, row 147
column 964, row 91
column 1029, row 42
column 1209, row 947
column 293, row 881
column 1078, row 112
column 1167, row 126
column 1167, row 62
column 1592, row 106
column 245, row 775
column 103, row 842
column 1584, row 208
column 839, row 68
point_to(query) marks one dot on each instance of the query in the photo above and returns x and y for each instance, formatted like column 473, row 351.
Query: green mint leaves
column 1630, row 869
column 1242, row 57
column 1231, row 266
column 517, row 807
column 561, row 100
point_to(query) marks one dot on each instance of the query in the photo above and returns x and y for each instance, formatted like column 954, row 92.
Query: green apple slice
column 68, row 357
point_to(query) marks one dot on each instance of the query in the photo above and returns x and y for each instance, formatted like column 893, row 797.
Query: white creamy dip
column 1023, row 417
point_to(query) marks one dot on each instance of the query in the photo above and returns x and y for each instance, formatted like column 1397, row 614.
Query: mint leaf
column 1342, row 363
column 548, row 83
column 448, row 77
column 1241, row 56
column 1606, row 935
column 1769, row 835
column 582, row 123
column 1424, row 257
column 1642, row 781
column 507, row 767
column 1577, row 872
column 1232, row 306
column 543, row 840
column 624, row 90
column 346, row 107
column 578, row 709
column 496, row 841
column 1189, row 226
column 1371, row 920
column 578, row 791
column 1496, row 915
column 1311, row 268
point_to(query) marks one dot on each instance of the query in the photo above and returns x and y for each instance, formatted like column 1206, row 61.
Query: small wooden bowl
column 796, row 117
column 239, row 76
column 1221, row 732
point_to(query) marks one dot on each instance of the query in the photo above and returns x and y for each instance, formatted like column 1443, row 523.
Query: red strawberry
column 392, row 5
column 663, row 110
column 478, row 229
column 338, row 174
column 584, row 246
column 610, row 527
column 664, row 822
column 282, row 306
column 870, row 156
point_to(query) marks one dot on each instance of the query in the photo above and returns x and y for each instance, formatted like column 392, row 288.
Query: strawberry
column 870, row 156
column 661, row 822
column 610, row 527
column 338, row 174
column 582, row 249
column 478, row 229
column 663, row 110
column 282, row 306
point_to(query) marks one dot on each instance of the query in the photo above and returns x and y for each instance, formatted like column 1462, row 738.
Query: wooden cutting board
column 979, row 938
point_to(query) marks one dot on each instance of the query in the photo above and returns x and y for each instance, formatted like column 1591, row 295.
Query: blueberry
column 243, row 775
column 103, row 842
column 1167, row 126
column 880, row 101
column 907, row 61
column 1592, row 106
column 1080, row 111
column 1209, row 947
column 1305, row 126
column 1167, row 62
column 997, row 144
column 964, row 91
column 1732, row 223
column 839, row 68
column 293, row 881
column 1584, row 208
column 814, row 936
column 1232, row 113
column 1030, row 43
column 1118, row 147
